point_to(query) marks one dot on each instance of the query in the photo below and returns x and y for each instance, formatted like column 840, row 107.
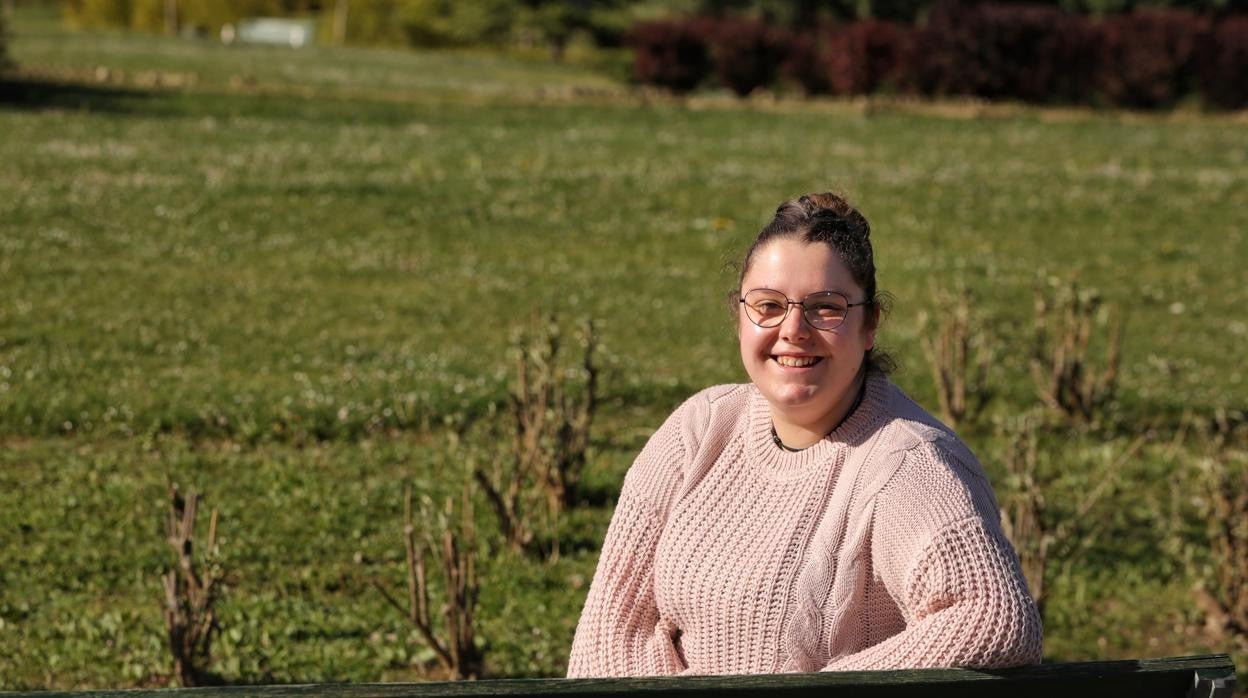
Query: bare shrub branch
column 1037, row 535
column 190, row 589
column 1223, row 589
column 550, row 428
column 1062, row 367
column 506, row 490
column 1022, row 517
column 451, row 542
column 564, row 460
column 958, row 357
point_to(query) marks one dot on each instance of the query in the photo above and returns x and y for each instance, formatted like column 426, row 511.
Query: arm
column 939, row 550
column 620, row 632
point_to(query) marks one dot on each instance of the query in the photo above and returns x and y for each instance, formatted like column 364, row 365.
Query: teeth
column 796, row 360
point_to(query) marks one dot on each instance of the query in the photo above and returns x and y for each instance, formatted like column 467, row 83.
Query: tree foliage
column 411, row 22
column 4, row 42
column 150, row 15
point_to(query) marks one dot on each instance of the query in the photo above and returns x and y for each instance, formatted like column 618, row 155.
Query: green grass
column 279, row 281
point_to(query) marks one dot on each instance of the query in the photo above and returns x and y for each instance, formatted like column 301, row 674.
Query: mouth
column 796, row 361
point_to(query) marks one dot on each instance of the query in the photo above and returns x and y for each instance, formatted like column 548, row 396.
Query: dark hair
column 830, row 219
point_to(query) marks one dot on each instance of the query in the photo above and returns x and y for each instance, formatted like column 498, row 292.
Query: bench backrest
column 1206, row 676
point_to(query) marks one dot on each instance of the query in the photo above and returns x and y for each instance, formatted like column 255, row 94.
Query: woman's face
column 804, row 394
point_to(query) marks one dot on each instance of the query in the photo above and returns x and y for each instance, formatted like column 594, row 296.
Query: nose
column 794, row 327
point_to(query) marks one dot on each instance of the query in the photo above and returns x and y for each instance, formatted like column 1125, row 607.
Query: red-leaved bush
column 1147, row 58
column 1004, row 51
column 1223, row 64
column 867, row 56
column 672, row 54
column 1034, row 53
column 805, row 63
column 747, row 53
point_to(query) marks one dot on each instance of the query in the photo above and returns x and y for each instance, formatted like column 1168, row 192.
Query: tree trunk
column 171, row 17
column 340, row 22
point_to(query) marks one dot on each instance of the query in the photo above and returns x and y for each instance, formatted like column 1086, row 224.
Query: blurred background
column 302, row 302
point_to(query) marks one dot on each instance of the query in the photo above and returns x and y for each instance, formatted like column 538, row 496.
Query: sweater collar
column 852, row 432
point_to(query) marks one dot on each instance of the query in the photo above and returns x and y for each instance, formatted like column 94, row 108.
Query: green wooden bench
column 1207, row 676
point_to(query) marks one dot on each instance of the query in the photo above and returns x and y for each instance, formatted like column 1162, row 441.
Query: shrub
column 1147, row 58
column 1067, row 376
column 863, row 57
column 949, row 47
column 959, row 352
column 1223, row 589
column 747, row 53
column 550, row 417
column 191, row 589
column 1223, row 69
column 670, row 53
column 901, row 11
column 804, row 64
column 1029, row 52
column 449, row 539
column 1029, row 518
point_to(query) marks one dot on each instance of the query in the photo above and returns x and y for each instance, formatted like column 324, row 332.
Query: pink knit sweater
column 877, row 548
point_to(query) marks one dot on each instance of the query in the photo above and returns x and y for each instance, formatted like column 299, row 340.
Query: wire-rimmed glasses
column 823, row 310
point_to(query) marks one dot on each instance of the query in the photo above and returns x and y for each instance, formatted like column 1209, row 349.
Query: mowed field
column 278, row 276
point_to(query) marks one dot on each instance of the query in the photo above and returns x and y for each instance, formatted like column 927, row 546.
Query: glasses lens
column 825, row 311
column 766, row 308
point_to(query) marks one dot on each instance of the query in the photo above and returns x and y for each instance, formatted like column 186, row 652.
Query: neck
column 798, row 433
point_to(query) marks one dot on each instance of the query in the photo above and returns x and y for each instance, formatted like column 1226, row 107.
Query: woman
column 815, row 518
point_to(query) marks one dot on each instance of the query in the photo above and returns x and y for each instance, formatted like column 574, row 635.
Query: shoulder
column 715, row 404
column 719, row 408
column 670, row 449
column 907, row 427
column 928, row 465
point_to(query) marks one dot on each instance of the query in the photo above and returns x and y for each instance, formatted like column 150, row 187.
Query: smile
column 797, row 361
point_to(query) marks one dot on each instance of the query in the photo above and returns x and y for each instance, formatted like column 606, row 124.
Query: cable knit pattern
column 878, row 547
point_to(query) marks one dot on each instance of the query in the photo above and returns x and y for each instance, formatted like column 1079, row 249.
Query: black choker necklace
column 775, row 438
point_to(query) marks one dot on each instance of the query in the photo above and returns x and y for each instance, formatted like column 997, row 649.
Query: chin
column 793, row 396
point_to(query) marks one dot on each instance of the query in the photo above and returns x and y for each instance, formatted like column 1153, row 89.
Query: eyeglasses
column 824, row 310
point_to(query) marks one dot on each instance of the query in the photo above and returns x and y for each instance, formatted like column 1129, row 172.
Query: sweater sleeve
column 620, row 632
column 939, row 550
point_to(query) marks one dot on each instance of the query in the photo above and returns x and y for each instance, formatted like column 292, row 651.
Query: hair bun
column 832, row 213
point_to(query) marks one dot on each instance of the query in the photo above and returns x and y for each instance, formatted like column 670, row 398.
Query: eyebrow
column 805, row 295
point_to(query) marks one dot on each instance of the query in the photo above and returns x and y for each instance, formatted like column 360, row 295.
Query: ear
column 872, row 324
column 734, row 312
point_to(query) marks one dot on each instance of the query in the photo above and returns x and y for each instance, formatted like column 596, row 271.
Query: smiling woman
column 815, row 518
column 810, row 365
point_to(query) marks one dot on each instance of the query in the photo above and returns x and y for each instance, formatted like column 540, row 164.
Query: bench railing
column 1205, row 676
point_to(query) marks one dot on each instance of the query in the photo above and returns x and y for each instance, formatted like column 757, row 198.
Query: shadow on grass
column 597, row 496
column 35, row 93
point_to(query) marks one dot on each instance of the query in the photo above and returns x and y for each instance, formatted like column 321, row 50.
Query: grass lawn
column 277, row 275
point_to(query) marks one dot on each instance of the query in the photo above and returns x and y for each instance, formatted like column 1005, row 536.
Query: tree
column 456, row 22
column 798, row 14
column 559, row 20
column 4, row 38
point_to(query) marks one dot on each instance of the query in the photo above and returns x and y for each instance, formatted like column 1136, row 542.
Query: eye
column 826, row 306
column 828, row 309
column 766, row 304
column 768, row 307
